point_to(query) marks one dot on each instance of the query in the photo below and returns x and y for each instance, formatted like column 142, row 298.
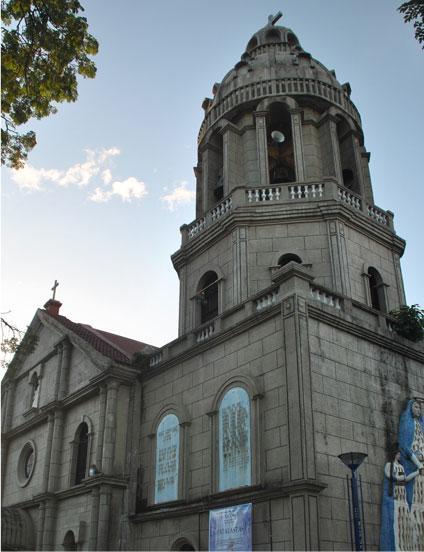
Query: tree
column 45, row 46
column 14, row 341
column 409, row 322
column 414, row 11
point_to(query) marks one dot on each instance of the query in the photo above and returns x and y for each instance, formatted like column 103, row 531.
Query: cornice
column 255, row 494
column 218, row 338
column 396, row 344
column 287, row 212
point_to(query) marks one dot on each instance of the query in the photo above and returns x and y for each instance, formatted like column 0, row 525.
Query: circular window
column 26, row 463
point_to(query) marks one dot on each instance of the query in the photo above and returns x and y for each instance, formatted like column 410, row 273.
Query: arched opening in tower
column 280, row 145
column 346, row 141
column 215, row 169
column 208, row 296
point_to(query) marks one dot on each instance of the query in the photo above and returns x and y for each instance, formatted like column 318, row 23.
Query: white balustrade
column 156, row 358
column 221, row 209
column 205, row 333
column 326, row 298
column 263, row 194
column 196, row 227
column 378, row 214
column 267, row 300
column 349, row 198
column 304, row 191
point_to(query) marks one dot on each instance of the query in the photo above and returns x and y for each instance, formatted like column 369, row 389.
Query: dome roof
column 275, row 63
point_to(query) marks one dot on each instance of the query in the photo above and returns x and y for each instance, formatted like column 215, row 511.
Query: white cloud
column 107, row 176
column 128, row 189
column 99, row 195
column 180, row 195
column 82, row 174
column 79, row 174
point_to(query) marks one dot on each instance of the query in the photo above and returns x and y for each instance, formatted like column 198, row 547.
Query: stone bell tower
column 287, row 276
column 282, row 176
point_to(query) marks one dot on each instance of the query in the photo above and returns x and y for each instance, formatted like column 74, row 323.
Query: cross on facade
column 272, row 19
column 56, row 283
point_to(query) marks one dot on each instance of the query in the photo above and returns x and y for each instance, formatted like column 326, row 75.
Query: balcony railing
column 327, row 190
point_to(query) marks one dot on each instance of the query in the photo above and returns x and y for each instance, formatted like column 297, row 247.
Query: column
column 240, row 273
column 110, row 427
column 302, row 466
column 50, row 428
column 49, row 525
column 262, row 145
column 296, row 123
column 102, row 418
column 65, row 366
column 40, row 525
column 299, row 388
column 56, row 451
column 335, row 148
column 94, row 519
column 339, row 258
column 59, row 350
column 104, row 515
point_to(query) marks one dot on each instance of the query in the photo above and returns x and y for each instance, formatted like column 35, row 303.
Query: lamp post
column 353, row 460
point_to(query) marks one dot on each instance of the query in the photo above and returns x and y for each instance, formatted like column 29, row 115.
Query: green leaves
column 414, row 11
column 409, row 322
column 45, row 46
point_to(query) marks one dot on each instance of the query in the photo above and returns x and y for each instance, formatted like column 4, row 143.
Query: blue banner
column 231, row 528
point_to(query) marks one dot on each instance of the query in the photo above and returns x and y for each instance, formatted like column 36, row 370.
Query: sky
column 100, row 202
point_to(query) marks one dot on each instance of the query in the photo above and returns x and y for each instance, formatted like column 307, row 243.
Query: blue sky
column 111, row 179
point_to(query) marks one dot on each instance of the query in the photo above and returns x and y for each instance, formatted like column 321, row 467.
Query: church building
column 285, row 359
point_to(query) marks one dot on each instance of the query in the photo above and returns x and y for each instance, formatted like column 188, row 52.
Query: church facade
column 286, row 356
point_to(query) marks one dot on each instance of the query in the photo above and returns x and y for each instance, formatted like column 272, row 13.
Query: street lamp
column 353, row 460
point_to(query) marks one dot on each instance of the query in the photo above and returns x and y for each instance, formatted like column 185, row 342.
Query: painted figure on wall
column 411, row 441
column 397, row 532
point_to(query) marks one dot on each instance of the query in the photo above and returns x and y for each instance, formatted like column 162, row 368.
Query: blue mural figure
column 396, row 525
column 411, row 441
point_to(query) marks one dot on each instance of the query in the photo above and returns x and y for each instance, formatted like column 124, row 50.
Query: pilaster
column 296, row 123
column 94, row 519
column 261, row 140
column 240, row 272
column 104, row 518
column 339, row 258
column 109, row 436
column 56, row 450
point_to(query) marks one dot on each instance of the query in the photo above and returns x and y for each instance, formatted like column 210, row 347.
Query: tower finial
column 56, row 283
column 272, row 19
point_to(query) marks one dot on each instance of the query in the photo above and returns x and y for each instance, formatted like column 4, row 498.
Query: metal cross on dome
column 56, row 283
column 272, row 19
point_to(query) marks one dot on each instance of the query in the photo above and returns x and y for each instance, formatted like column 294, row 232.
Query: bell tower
column 283, row 179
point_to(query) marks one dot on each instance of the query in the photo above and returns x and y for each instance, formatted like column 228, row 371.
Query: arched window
column 347, row 156
column 167, row 459
column 35, row 390
column 214, row 160
column 69, row 541
column 288, row 257
column 280, row 145
column 234, row 440
column 207, row 294
column 377, row 295
column 80, row 453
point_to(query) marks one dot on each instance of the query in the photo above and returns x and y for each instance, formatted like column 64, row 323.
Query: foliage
column 45, row 46
column 14, row 341
column 414, row 11
column 409, row 322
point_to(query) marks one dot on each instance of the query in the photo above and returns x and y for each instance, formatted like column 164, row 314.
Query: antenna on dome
column 272, row 19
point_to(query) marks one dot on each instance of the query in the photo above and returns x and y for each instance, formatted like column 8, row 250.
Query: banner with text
column 231, row 528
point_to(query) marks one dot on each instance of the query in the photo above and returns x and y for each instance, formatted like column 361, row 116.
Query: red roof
column 115, row 347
